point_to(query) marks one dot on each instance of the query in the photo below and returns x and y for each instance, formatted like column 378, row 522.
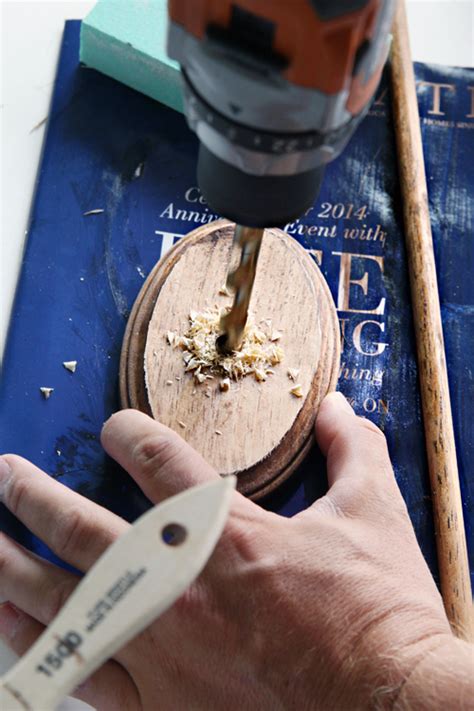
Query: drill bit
column 241, row 281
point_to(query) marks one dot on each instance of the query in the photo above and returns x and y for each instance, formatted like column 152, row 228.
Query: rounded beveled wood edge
column 301, row 454
column 132, row 374
column 250, row 485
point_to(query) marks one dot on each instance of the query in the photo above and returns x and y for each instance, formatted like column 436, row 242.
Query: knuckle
column 70, row 534
column 13, row 460
column 244, row 537
column 15, row 493
column 355, row 495
column 57, row 597
column 369, row 440
column 157, row 451
column 371, row 430
column 192, row 602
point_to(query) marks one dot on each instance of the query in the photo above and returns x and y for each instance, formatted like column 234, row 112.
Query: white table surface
column 440, row 31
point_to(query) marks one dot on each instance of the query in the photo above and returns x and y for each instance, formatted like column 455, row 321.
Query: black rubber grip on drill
column 253, row 200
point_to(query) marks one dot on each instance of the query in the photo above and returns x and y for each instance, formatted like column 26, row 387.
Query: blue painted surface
column 81, row 275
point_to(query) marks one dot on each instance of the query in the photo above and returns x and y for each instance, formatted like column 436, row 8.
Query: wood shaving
column 138, row 170
column 169, row 382
column 201, row 358
column 224, row 291
column 46, row 392
column 38, row 125
column 218, row 432
column 97, row 211
column 293, row 374
column 276, row 335
column 70, row 365
column 296, row 391
column 182, row 424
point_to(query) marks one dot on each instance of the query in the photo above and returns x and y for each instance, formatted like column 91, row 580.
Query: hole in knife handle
column 173, row 534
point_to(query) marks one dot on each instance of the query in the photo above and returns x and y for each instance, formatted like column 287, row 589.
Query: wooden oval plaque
column 259, row 431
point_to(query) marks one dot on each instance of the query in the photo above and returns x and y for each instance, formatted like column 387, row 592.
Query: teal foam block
column 126, row 39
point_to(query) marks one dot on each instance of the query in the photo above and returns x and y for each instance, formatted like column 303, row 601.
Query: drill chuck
column 274, row 91
column 254, row 200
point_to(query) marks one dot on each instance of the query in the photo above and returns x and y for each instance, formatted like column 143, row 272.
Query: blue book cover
column 132, row 161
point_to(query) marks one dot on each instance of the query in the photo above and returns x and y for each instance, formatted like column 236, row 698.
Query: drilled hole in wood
column 222, row 345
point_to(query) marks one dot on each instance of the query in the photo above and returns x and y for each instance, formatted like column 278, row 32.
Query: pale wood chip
column 296, row 391
column 46, row 392
column 138, row 170
column 97, row 211
column 224, row 385
column 70, row 365
column 258, row 352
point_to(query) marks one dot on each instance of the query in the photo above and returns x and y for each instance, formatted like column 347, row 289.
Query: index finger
column 159, row 460
column 77, row 530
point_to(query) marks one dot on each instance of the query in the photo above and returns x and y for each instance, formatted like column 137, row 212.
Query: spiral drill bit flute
column 240, row 281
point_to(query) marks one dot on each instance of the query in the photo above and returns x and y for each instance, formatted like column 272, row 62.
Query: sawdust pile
column 256, row 357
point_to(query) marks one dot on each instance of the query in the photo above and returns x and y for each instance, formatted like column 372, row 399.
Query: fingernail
column 9, row 618
column 5, row 476
column 341, row 402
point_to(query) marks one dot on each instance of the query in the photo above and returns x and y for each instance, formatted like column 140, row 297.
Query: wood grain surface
column 266, row 431
column 437, row 417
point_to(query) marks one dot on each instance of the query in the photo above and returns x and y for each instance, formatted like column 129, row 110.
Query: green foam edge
column 126, row 40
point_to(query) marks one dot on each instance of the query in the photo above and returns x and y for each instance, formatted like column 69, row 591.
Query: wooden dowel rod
column 437, row 416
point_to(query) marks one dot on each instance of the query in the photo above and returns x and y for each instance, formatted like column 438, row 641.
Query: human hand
column 331, row 609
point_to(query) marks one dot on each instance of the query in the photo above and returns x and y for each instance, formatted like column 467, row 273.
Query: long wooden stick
column 439, row 434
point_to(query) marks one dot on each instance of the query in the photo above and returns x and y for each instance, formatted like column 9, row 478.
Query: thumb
column 358, row 463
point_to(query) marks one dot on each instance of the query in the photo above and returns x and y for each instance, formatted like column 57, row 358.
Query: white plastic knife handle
column 136, row 579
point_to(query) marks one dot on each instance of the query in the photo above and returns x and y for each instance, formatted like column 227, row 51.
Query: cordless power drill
column 274, row 89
